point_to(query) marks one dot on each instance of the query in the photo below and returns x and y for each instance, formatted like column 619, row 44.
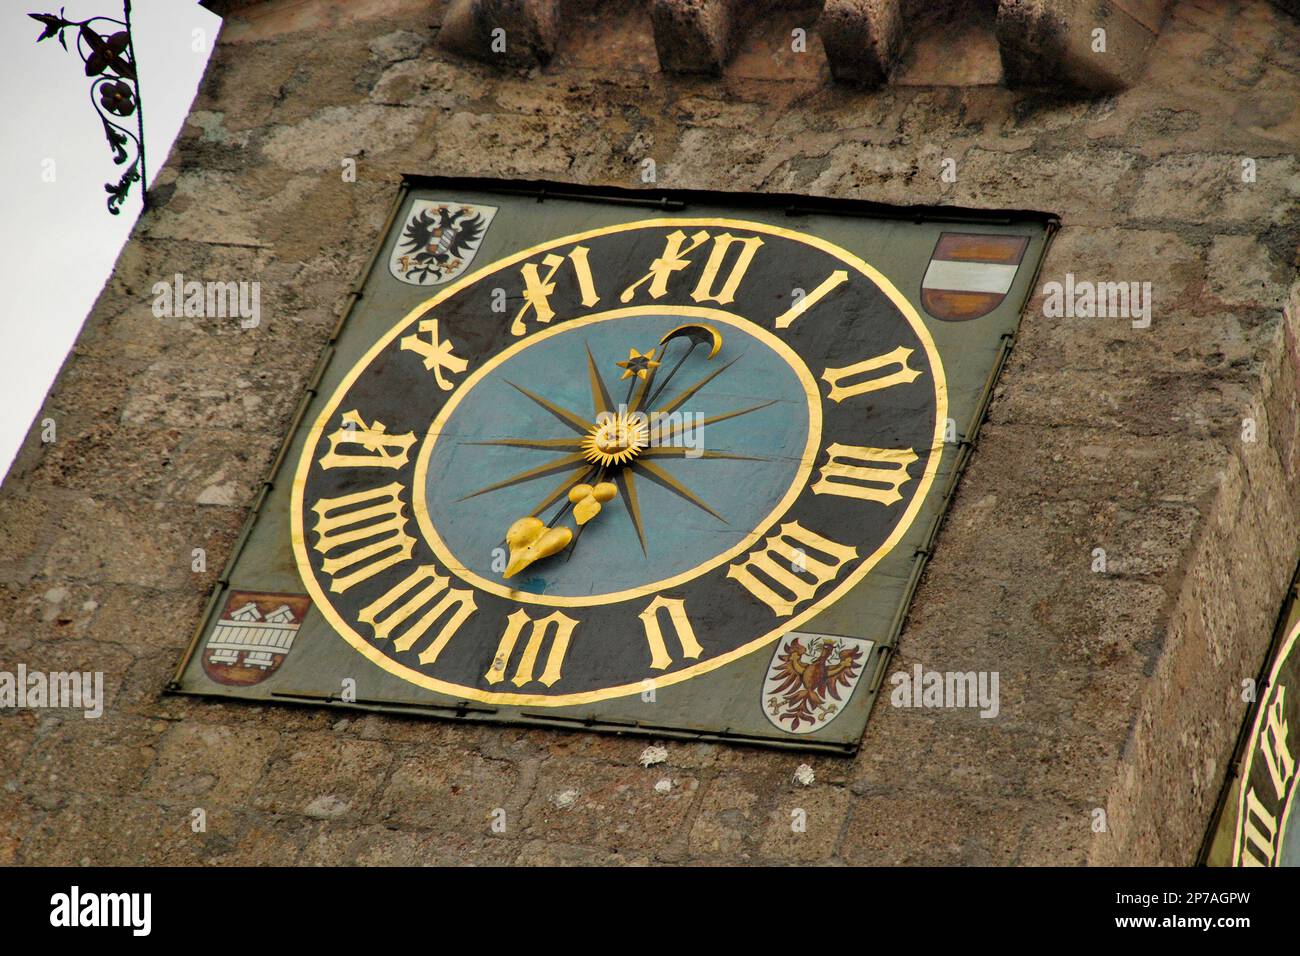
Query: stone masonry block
column 863, row 38
column 528, row 30
column 1089, row 45
column 694, row 36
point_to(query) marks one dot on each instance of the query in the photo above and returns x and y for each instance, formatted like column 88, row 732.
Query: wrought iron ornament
column 114, row 90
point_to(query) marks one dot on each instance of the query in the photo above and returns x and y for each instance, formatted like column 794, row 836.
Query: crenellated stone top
column 1087, row 45
column 1083, row 46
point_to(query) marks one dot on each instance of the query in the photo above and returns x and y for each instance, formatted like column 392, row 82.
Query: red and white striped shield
column 969, row 274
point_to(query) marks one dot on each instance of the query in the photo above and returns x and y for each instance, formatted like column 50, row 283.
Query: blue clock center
column 706, row 473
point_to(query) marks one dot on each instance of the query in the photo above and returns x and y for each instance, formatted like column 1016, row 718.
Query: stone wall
column 1119, row 689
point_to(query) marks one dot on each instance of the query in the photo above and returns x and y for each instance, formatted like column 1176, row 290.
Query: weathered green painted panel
column 655, row 462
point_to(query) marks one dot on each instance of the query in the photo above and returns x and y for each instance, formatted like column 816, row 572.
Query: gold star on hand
column 637, row 364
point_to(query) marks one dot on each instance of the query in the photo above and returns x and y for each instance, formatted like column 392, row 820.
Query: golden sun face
column 616, row 439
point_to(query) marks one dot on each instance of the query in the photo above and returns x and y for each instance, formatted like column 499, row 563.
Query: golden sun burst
column 616, row 439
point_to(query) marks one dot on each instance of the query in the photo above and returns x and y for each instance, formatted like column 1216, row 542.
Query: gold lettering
column 434, row 586
column 833, row 282
column 704, row 288
column 373, row 438
column 898, row 357
column 676, row 609
column 537, row 630
column 791, row 572
column 1273, row 744
column 538, row 289
column 355, row 520
column 879, row 476
column 1253, row 836
column 437, row 353
column 671, row 261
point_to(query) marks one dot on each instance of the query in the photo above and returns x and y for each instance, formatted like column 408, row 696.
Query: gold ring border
column 1239, row 825
column 461, row 692
column 811, row 447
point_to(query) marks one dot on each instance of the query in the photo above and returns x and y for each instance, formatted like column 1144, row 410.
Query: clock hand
column 637, row 366
column 669, row 377
column 529, row 540
column 698, row 335
column 587, row 501
column 614, row 446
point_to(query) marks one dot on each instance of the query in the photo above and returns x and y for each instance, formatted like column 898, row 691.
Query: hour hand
column 586, row 500
column 530, row 540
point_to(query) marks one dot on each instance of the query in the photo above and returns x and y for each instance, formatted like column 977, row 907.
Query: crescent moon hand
column 698, row 334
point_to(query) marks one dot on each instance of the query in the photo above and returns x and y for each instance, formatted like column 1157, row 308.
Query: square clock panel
column 621, row 460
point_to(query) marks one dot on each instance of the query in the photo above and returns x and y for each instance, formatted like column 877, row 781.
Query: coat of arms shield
column 970, row 274
column 811, row 678
column 253, row 636
column 438, row 241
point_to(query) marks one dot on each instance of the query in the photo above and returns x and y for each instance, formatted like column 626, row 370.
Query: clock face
column 631, row 455
column 1264, row 832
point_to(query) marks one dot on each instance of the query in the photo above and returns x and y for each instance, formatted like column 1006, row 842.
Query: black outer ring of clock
column 608, row 648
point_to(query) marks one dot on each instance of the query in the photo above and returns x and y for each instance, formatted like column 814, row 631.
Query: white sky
column 58, row 242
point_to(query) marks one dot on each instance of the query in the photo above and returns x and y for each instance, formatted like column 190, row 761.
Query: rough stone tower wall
column 1120, row 690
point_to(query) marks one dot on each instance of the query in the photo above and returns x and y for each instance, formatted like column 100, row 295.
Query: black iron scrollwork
column 105, row 46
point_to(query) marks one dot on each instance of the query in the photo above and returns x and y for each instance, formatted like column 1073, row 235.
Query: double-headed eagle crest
column 438, row 243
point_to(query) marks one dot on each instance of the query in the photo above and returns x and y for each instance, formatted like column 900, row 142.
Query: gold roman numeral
column 661, row 270
column 674, row 260
column 420, row 588
column 537, row 631
column 831, row 283
column 872, row 474
column 436, row 352
column 1273, row 744
column 704, row 291
column 654, row 636
column 369, row 526
column 896, row 359
column 382, row 449
column 782, row 574
column 1262, row 840
column 539, row 288
column 1259, row 826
